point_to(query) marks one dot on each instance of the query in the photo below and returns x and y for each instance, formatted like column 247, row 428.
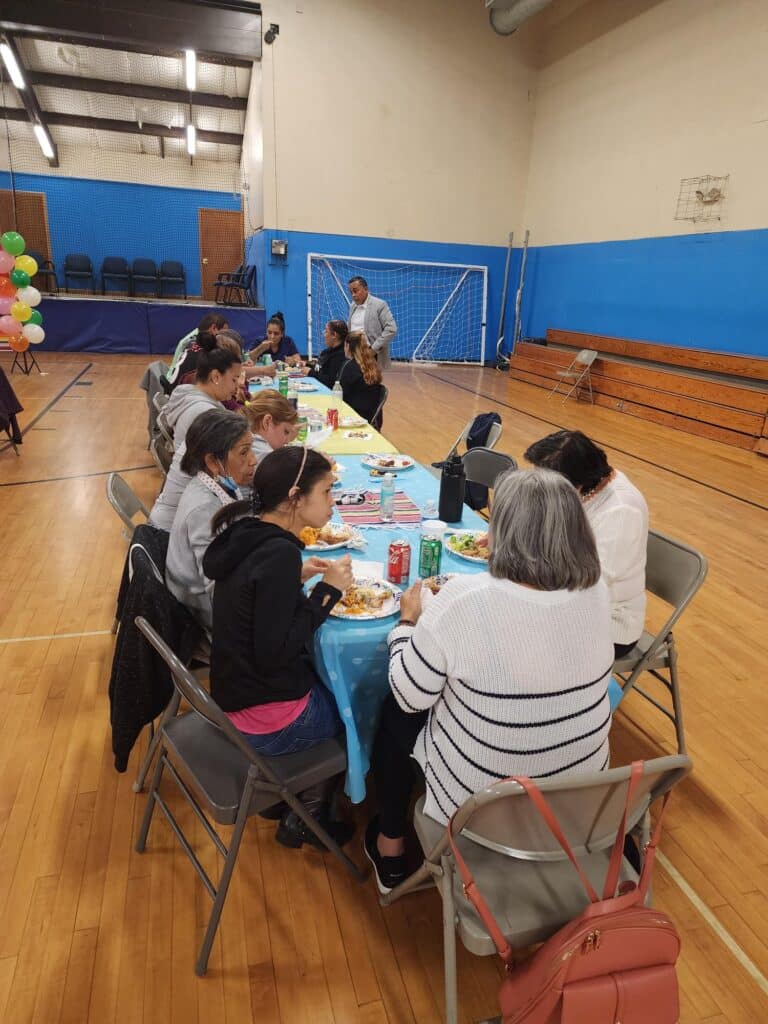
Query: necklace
column 588, row 495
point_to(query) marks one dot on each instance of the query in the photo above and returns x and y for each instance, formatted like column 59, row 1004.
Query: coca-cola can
column 399, row 561
column 332, row 418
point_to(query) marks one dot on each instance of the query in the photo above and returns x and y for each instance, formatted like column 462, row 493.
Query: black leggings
column 393, row 767
column 619, row 650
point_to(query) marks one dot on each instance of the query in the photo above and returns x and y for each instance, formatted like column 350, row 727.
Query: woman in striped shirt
column 500, row 674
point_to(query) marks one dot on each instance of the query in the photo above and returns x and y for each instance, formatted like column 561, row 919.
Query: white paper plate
column 304, row 385
column 460, row 554
column 401, row 462
column 340, row 528
column 390, row 607
column 353, row 421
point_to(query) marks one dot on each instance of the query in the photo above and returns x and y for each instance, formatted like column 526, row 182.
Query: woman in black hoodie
column 262, row 671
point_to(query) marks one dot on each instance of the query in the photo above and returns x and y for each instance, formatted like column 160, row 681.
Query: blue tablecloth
column 352, row 656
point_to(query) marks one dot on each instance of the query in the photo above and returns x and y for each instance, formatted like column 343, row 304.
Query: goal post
column 440, row 308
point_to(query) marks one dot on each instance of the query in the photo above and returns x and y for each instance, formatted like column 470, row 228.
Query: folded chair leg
column 314, row 826
column 413, row 882
column 677, row 708
column 146, row 821
column 221, row 893
column 449, row 943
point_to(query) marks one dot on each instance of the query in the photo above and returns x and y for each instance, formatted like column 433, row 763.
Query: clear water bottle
column 387, row 502
column 338, row 395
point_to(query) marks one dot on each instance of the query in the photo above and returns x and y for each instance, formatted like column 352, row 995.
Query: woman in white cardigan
column 500, row 674
column 219, row 458
column 618, row 515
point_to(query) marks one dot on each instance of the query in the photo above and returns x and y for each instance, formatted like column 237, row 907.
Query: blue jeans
column 317, row 722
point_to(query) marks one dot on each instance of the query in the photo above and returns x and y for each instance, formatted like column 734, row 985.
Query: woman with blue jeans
column 263, row 674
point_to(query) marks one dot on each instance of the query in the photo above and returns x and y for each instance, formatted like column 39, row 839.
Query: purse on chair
column 613, row 964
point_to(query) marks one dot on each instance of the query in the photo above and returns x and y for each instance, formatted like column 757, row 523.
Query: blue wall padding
column 109, row 325
column 115, row 218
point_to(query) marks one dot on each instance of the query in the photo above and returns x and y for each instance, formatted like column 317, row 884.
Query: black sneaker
column 293, row 833
column 389, row 871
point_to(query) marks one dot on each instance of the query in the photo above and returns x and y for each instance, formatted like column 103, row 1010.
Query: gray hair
column 539, row 534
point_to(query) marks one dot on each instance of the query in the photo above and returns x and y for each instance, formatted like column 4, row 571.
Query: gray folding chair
column 518, row 865
column 494, row 435
column 214, row 766
column 159, row 399
column 673, row 572
column 161, row 456
column 483, row 466
column 578, row 375
column 374, row 420
column 165, row 430
column 126, row 503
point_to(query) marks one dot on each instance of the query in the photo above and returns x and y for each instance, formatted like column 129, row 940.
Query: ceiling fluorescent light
column 12, row 65
column 45, row 142
column 191, row 139
column 190, row 63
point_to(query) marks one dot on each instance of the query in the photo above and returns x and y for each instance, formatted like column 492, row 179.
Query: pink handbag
column 613, row 964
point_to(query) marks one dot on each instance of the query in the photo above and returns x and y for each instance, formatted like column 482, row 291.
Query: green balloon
column 36, row 318
column 20, row 278
column 13, row 243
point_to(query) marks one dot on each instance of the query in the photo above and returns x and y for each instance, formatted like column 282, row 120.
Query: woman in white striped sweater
column 500, row 674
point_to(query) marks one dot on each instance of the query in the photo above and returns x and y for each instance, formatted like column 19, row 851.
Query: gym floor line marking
column 53, row 636
column 722, row 933
column 51, row 404
column 75, row 476
column 608, row 444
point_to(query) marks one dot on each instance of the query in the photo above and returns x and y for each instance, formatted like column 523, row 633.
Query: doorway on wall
column 27, row 213
column 221, row 246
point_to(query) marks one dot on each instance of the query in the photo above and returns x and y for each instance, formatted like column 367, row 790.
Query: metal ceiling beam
column 32, row 108
column 109, row 124
column 150, row 92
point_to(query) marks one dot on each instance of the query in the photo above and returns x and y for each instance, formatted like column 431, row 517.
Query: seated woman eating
column 219, row 458
column 273, row 420
column 327, row 367
column 218, row 373
column 360, row 378
column 263, row 674
column 502, row 673
column 277, row 344
column 618, row 515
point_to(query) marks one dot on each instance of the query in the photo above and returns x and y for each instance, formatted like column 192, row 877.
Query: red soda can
column 332, row 418
column 399, row 561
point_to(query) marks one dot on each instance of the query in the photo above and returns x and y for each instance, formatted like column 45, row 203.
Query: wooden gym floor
column 91, row 931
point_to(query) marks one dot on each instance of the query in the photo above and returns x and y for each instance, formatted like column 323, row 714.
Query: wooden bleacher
column 713, row 394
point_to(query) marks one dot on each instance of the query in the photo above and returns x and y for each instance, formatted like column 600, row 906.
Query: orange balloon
column 7, row 288
column 19, row 343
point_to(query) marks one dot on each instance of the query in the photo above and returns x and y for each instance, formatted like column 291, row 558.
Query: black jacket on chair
column 140, row 685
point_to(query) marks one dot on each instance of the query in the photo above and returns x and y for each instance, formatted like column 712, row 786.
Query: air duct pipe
column 507, row 16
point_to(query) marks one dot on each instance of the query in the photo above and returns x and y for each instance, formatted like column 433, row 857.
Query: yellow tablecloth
column 337, row 443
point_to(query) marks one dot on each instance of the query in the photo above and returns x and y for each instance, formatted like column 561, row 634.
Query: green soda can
column 431, row 547
column 282, row 384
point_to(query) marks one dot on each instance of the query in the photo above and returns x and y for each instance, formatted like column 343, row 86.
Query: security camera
column 271, row 34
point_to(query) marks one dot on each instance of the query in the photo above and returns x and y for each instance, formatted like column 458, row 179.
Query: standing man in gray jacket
column 373, row 317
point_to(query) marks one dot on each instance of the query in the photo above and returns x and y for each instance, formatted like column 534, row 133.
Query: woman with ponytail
column 218, row 371
column 263, row 674
column 360, row 377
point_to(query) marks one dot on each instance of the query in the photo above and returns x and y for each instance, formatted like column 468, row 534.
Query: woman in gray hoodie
column 219, row 459
column 218, row 371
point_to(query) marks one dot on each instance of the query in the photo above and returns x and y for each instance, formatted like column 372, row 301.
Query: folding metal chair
column 125, row 502
column 161, row 456
column 494, row 434
column 483, row 466
column 578, row 374
column 225, row 283
column 521, row 870
column 215, row 767
column 673, row 572
column 375, row 420
column 165, row 430
column 159, row 399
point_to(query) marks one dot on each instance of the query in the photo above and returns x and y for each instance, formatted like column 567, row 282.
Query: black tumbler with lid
column 452, row 484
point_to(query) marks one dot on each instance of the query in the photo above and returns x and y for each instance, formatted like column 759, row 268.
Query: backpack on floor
column 613, row 964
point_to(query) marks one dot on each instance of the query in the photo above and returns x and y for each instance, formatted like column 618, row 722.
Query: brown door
column 31, row 220
column 221, row 246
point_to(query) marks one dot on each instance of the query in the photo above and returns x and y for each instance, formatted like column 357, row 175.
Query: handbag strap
column 617, row 854
column 650, row 851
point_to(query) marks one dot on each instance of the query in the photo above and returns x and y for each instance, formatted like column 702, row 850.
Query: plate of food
column 304, row 385
column 469, row 544
column 354, row 421
column 368, row 599
column 331, row 537
column 435, row 584
column 358, row 435
column 388, row 462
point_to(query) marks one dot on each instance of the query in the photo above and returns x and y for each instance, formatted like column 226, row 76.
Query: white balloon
column 34, row 333
column 31, row 296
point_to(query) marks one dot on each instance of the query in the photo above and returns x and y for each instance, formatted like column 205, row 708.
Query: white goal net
column 439, row 307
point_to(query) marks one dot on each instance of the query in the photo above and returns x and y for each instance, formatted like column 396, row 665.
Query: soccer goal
column 439, row 307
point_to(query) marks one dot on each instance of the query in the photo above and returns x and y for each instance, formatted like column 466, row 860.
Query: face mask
column 225, row 480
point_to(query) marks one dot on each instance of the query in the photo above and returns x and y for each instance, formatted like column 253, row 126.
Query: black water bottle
column 452, row 484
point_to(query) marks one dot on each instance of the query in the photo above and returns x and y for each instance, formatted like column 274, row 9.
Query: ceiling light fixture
column 12, row 65
column 190, row 64
column 191, row 139
column 45, row 143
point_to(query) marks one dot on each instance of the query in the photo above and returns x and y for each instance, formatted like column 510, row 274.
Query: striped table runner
column 368, row 513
